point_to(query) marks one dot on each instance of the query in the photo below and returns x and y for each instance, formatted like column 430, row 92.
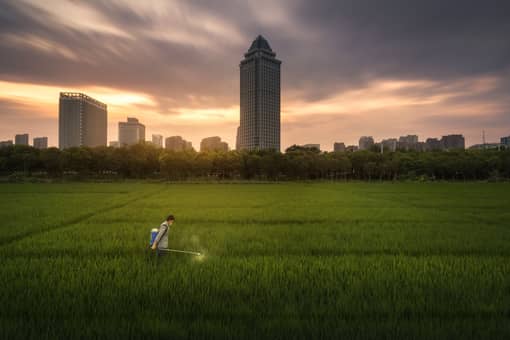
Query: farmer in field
column 161, row 241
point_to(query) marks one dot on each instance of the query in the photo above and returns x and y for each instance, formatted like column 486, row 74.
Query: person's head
column 170, row 219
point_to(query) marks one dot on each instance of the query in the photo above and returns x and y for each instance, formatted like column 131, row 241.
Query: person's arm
column 162, row 230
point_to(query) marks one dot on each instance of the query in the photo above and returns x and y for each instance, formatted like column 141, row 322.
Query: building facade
column 390, row 144
column 366, row 142
column 213, row 144
column 82, row 121
column 177, row 143
column 21, row 139
column 6, row 143
column 433, row 144
column 451, row 142
column 259, row 98
column 339, row 147
column 157, row 140
column 41, row 142
column 131, row 132
column 505, row 141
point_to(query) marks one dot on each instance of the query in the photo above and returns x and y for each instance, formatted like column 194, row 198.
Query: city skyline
column 349, row 70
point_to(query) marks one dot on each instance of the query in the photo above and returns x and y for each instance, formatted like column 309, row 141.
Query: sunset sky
column 350, row 68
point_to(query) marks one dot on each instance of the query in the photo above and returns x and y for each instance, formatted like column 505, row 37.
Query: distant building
column 131, row 132
column 390, row 144
column 486, row 146
column 114, row 144
column 409, row 142
column 433, row 144
column 352, row 148
column 21, row 139
column 366, row 143
column 5, row 143
column 41, row 142
column 157, row 140
column 260, row 98
column 213, row 144
column 312, row 146
column 177, row 143
column 451, row 142
column 505, row 141
column 82, row 121
column 339, row 147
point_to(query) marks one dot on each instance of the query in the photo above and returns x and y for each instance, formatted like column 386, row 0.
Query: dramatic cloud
column 350, row 68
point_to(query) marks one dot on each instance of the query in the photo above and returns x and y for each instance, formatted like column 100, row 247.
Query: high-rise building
column 453, row 142
column 131, row 132
column 390, row 144
column 352, row 148
column 5, row 143
column 213, row 144
column 260, row 98
column 366, row 142
column 339, row 147
column 82, row 121
column 41, row 142
column 505, row 141
column 409, row 142
column 157, row 140
column 433, row 144
column 177, row 143
column 21, row 139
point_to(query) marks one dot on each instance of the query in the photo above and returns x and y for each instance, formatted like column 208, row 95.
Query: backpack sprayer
column 154, row 233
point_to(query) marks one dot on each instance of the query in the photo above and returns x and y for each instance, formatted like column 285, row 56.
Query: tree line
column 144, row 161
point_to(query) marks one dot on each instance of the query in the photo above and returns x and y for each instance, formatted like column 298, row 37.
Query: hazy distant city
column 83, row 120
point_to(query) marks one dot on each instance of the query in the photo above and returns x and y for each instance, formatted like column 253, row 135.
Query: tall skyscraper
column 260, row 98
column 21, row 139
column 157, row 140
column 131, row 132
column 82, row 121
column 41, row 142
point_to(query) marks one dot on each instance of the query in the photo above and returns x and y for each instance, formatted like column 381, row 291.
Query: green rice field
column 281, row 261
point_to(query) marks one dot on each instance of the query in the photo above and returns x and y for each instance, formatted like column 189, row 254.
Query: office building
column 177, row 143
column 41, row 142
column 82, row 121
column 131, row 132
column 351, row 148
column 21, row 139
column 260, row 98
column 451, row 142
column 213, row 144
column 366, row 142
column 339, row 147
column 5, row 143
column 157, row 140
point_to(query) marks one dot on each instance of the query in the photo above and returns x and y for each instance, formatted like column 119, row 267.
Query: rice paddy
column 287, row 260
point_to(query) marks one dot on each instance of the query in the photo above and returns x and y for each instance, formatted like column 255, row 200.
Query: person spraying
column 160, row 242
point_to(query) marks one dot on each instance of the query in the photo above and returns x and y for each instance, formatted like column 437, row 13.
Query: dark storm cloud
column 327, row 46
